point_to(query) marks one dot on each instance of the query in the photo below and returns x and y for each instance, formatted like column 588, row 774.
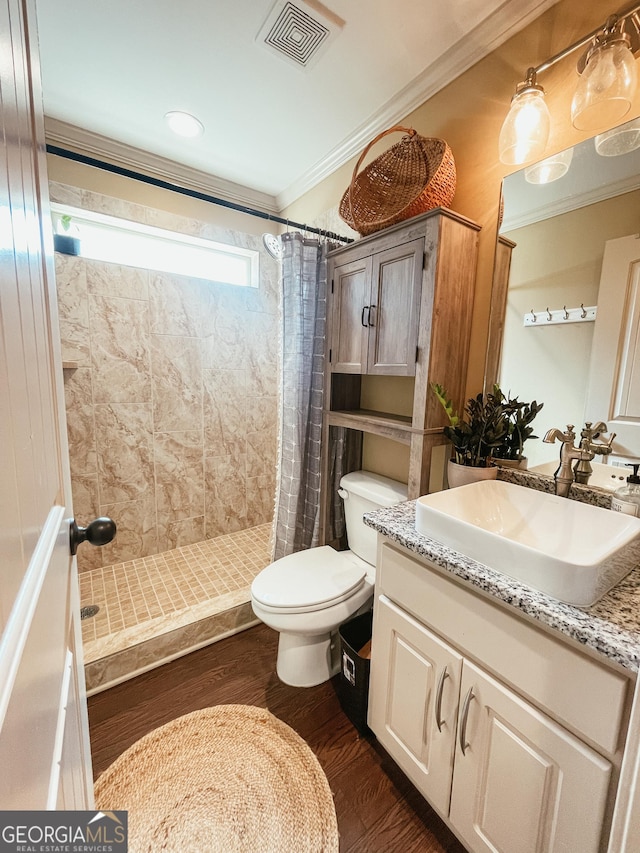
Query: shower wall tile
column 179, row 475
column 73, row 309
column 176, row 364
column 262, row 380
column 124, row 439
column 120, row 349
column 137, row 534
column 260, row 499
column 225, row 412
column 261, row 451
column 172, row 415
column 179, row 305
column 225, row 495
column 81, row 432
column 105, row 279
column 86, row 507
column 176, row 534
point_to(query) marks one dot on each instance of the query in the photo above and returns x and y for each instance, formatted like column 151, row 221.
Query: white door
column 521, row 783
column 44, row 747
column 614, row 376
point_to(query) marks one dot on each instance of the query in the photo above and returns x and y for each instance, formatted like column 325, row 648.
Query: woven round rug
column 229, row 779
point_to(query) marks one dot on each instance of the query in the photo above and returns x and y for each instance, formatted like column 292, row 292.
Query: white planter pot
column 460, row 475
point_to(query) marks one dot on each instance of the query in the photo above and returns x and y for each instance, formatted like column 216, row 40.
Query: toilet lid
column 308, row 580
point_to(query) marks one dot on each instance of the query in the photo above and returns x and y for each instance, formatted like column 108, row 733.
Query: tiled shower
column 171, row 397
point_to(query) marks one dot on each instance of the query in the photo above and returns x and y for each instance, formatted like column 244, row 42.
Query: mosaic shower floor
column 154, row 609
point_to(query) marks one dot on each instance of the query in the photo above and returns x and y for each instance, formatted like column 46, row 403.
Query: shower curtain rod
column 165, row 185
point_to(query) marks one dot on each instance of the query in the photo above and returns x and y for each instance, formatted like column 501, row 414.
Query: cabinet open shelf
column 396, row 427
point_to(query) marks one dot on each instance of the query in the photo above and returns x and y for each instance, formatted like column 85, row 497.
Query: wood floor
column 378, row 810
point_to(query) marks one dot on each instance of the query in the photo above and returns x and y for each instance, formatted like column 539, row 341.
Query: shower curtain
column 303, row 320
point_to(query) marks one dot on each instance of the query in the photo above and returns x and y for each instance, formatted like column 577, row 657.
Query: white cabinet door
column 521, row 783
column 413, row 700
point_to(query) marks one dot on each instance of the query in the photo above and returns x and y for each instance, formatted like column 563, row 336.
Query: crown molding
column 504, row 23
column 570, row 203
column 85, row 142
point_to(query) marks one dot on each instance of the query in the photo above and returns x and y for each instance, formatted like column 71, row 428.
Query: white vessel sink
column 609, row 477
column 572, row 551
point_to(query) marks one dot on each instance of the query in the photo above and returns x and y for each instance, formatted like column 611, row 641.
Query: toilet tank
column 362, row 491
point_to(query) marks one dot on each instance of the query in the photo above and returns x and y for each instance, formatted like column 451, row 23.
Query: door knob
column 98, row 532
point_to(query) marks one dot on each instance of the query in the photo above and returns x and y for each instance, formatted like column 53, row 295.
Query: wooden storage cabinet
column 375, row 306
column 400, row 304
column 507, row 777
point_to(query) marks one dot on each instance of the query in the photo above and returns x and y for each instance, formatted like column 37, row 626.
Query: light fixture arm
column 629, row 14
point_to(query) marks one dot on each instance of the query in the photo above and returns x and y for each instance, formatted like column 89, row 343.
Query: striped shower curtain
column 303, row 320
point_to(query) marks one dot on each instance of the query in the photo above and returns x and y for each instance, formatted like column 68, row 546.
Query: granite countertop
column 611, row 627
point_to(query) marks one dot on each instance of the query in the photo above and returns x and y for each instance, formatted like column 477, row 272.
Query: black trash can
column 355, row 657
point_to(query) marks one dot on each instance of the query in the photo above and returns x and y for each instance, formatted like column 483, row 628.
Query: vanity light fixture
column 184, row 124
column 604, row 95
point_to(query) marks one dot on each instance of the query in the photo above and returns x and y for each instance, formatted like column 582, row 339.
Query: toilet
column 306, row 596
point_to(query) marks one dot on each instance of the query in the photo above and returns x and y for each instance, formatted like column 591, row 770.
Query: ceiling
column 273, row 127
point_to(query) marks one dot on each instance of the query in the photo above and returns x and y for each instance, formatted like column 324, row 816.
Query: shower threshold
column 157, row 608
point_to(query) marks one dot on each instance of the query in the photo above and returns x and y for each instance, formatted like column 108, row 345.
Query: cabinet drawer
column 579, row 692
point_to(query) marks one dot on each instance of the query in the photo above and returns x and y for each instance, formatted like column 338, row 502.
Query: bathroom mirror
column 560, row 325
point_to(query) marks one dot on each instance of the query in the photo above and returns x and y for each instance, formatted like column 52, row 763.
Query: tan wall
column 172, row 401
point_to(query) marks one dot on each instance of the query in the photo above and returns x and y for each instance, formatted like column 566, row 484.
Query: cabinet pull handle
column 463, row 723
column 438, row 709
column 365, row 308
column 371, row 308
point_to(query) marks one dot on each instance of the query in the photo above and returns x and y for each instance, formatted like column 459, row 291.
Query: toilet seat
column 309, row 580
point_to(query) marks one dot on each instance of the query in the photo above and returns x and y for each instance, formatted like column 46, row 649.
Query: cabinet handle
column 438, row 709
column 365, row 308
column 463, row 722
column 371, row 308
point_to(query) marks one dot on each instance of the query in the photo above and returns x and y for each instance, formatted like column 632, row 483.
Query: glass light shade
column 525, row 131
column 606, row 88
column 620, row 140
column 550, row 169
column 184, row 124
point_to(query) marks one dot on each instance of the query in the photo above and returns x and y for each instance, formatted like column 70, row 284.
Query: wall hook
column 583, row 310
column 533, row 314
column 549, row 317
column 566, row 313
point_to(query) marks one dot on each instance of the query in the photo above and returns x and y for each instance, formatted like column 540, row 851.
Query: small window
column 121, row 241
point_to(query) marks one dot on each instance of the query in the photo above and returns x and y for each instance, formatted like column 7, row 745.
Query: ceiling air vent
column 299, row 32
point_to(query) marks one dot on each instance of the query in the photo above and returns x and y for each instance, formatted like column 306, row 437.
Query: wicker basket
column 413, row 176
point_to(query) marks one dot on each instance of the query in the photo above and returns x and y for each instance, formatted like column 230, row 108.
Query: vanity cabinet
column 484, row 713
column 375, row 307
column 400, row 304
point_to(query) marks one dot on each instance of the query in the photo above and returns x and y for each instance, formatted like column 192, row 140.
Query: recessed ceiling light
column 184, row 124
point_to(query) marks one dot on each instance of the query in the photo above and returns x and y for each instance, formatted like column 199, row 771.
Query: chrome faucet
column 582, row 470
column 582, row 455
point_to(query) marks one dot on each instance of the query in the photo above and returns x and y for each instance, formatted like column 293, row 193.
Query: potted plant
column 65, row 238
column 509, row 453
column 474, row 438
